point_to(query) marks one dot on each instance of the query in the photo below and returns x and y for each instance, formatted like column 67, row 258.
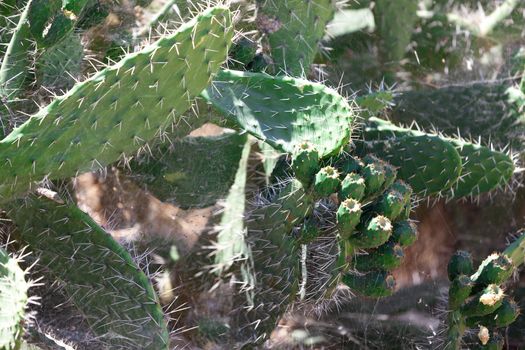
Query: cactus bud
column 403, row 188
column 374, row 284
column 326, row 182
column 404, row 233
column 390, row 204
column 348, row 216
column 375, row 232
column 460, row 264
column 493, row 342
column 352, row 186
column 459, row 291
column 485, row 302
column 374, row 175
column 386, row 257
column 305, row 162
column 497, row 268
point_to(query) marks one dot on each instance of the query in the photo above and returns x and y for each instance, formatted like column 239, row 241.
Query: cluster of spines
column 477, row 299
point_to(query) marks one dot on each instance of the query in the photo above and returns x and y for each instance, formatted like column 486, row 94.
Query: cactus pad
column 119, row 109
column 99, row 276
column 282, row 111
column 13, row 301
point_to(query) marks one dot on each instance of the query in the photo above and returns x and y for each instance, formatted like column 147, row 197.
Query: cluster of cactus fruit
column 346, row 203
column 477, row 298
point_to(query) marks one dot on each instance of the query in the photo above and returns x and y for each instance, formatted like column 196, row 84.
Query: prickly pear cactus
column 294, row 29
column 346, row 222
column 111, row 114
column 98, row 274
column 13, row 301
column 478, row 299
column 283, row 111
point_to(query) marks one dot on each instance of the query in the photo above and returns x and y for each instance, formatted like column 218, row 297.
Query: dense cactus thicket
column 298, row 136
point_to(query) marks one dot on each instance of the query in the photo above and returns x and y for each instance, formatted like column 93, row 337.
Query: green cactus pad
column 99, row 276
column 13, row 301
column 282, row 111
column 348, row 216
column 480, row 110
column 326, row 182
column 387, row 257
column 352, row 186
column 231, row 240
column 507, row 313
column 497, row 268
column 460, row 264
column 427, row 163
column 373, row 233
column 309, row 232
column 374, row 284
column 347, row 164
column 485, row 302
column 60, row 65
column 294, row 29
column 305, row 162
column 483, row 169
column 119, row 109
column 192, row 171
column 395, row 22
column 404, row 233
column 459, row 290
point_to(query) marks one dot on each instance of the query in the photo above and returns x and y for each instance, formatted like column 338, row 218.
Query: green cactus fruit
column 98, row 275
column 346, row 164
column 326, row 182
column 373, row 233
column 390, row 204
column 294, row 29
column 13, row 301
column 283, row 111
column 305, row 162
column 483, row 169
column 387, row 257
column 348, row 216
column 403, row 188
column 404, row 233
column 309, row 232
column 485, row 302
column 507, row 313
column 194, row 171
column 459, row 290
column 374, row 175
column 51, row 21
column 352, row 186
column 374, row 284
column 497, row 268
column 111, row 114
column 460, row 264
